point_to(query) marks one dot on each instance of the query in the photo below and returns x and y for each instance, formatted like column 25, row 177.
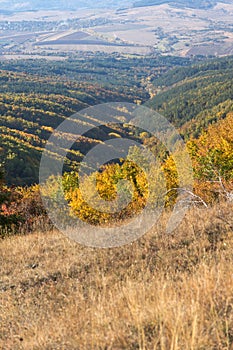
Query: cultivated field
column 159, row 29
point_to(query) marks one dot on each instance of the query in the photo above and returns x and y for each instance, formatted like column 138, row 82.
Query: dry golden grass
column 161, row 292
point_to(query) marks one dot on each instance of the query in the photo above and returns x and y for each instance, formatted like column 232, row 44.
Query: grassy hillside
column 162, row 292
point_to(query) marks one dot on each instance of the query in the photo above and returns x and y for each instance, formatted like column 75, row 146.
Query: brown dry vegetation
column 161, row 292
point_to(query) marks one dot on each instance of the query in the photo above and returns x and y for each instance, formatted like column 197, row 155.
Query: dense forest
column 194, row 97
column 37, row 95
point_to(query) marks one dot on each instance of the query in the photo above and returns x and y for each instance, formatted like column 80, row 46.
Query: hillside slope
column 31, row 107
column 195, row 96
column 160, row 291
column 37, row 95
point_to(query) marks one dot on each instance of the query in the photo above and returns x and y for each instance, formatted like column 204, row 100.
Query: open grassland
column 162, row 292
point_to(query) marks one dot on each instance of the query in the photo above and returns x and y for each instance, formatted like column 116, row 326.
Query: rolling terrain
column 178, row 28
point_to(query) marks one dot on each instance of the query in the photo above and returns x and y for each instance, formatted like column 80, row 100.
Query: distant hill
column 10, row 6
column 197, row 4
column 21, row 5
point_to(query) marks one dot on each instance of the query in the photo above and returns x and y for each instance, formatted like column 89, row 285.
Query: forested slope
column 35, row 100
column 31, row 107
column 193, row 97
column 37, row 95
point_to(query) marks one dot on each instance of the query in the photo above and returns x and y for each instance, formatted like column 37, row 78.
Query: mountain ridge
column 20, row 5
column 199, row 4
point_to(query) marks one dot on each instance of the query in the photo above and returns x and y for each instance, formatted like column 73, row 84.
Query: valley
column 116, row 235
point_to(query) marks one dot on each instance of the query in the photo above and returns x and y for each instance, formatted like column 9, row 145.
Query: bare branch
column 193, row 195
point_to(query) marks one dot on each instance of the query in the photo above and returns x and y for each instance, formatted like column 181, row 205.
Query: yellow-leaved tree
column 212, row 156
column 105, row 185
